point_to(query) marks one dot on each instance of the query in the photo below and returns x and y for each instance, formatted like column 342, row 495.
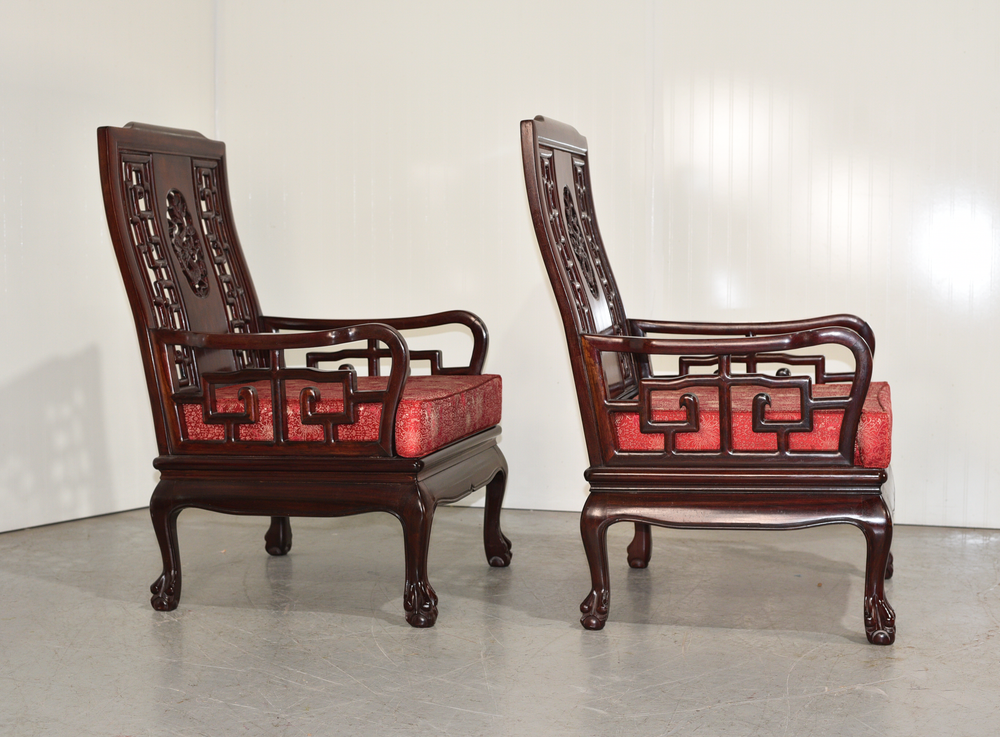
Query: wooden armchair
column 714, row 442
column 240, row 432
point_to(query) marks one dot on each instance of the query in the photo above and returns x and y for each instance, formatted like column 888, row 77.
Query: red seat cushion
column 873, row 448
column 433, row 412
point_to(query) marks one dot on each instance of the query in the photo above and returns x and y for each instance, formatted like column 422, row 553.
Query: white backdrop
column 750, row 161
column 76, row 436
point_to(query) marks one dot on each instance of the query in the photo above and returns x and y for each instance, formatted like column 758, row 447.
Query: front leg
column 880, row 620
column 497, row 545
column 166, row 589
column 593, row 528
column 419, row 599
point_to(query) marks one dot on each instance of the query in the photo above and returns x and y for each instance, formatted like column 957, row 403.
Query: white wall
column 76, row 438
column 751, row 161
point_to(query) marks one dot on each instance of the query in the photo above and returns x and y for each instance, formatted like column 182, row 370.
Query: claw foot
column 420, row 604
column 595, row 610
column 498, row 552
column 166, row 591
column 880, row 621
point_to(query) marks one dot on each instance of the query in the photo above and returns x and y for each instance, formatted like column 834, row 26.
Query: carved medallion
column 186, row 244
column 577, row 242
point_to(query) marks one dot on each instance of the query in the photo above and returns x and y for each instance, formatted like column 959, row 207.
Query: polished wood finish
column 200, row 327
column 614, row 373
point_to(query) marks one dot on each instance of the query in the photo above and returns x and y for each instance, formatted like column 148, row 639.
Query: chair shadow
column 732, row 580
column 54, row 462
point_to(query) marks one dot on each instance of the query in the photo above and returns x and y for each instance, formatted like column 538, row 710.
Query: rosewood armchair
column 241, row 432
column 706, row 427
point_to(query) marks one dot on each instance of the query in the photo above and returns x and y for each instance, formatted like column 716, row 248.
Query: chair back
column 557, row 180
column 167, row 202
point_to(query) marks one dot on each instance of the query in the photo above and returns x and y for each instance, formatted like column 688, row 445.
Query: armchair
column 728, row 437
column 238, row 430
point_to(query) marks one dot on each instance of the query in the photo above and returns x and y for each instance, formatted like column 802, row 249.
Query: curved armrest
column 275, row 373
column 851, row 322
column 284, row 341
column 725, row 350
column 480, row 335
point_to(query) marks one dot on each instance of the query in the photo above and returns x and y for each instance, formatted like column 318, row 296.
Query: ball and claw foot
column 595, row 610
column 498, row 552
column 166, row 591
column 880, row 622
column 420, row 604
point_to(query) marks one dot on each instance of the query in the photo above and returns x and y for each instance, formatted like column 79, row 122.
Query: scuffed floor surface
column 726, row 633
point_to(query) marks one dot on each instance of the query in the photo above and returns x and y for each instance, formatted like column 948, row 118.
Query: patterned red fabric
column 873, row 448
column 433, row 412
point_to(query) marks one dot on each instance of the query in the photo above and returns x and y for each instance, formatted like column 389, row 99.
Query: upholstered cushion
column 873, row 448
column 433, row 412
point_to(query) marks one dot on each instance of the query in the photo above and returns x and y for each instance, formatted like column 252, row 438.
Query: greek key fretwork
column 186, row 244
column 688, row 402
column 730, row 392
column 569, row 263
column 184, row 371
column 250, row 415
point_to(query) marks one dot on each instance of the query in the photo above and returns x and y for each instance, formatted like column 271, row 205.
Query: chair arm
column 276, row 373
column 480, row 335
column 284, row 341
column 724, row 350
column 851, row 322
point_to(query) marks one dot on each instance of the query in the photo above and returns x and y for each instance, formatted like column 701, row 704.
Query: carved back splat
column 573, row 251
column 176, row 240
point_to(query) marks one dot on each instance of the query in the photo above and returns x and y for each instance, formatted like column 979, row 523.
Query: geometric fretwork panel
column 581, row 303
column 147, row 240
column 601, row 269
column 214, row 228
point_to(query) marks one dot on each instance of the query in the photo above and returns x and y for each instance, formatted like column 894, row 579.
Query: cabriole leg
column 166, row 589
column 880, row 620
column 497, row 545
column 278, row 538
column 419, row 599
column 593, row 529
column 888, row 568
column 641, row 548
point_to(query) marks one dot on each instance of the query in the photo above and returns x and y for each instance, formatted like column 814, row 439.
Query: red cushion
column 872, row 450
column 433, row 412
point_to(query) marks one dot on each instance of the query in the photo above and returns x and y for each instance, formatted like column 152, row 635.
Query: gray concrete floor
column 727, row 633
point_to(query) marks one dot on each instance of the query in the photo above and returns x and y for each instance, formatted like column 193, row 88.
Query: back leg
column 278, row 538
column 641, row 548
column 497, row 545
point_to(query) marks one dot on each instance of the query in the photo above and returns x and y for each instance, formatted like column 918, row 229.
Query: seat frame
column 613, row 372
column 200, row 325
